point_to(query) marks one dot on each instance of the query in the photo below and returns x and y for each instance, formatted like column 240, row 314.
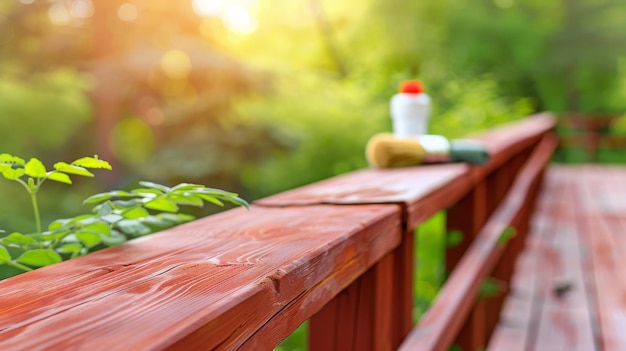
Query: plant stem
column 20, row 266
column 33, row 199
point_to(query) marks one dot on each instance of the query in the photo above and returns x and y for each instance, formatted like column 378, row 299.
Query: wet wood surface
column 210, row 284
column 569, row 285
column 246, row 280
column 441, row 324
column 421, row 190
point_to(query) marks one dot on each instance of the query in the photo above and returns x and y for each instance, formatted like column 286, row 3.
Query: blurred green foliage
column 286, row 92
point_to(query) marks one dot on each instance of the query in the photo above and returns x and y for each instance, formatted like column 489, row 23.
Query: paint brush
column 384, row 150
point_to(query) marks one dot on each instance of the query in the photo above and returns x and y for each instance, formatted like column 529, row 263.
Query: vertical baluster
column 468, row 216
column 360, row 317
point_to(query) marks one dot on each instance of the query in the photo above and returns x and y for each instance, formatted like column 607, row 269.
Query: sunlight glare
column 239, row 20
column 208, row 7
column 236, row 15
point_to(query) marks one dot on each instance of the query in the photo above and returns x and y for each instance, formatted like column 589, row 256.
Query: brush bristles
column 385, row 150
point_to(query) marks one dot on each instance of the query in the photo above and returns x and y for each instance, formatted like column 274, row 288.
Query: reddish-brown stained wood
column 565, row 321
column 403, row 282
column 424, row 190
column 536, row 317
column 599, row 206
column 441, row 323
column 210, row 284
column 509, row 139
column 247, row 279
column 360, row 317
column 468, row 216
column 421, row 190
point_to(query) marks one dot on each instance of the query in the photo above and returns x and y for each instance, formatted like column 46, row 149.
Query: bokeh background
column 260, row 96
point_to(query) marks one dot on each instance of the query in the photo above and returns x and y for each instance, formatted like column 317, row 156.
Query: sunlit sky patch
column 238, row 16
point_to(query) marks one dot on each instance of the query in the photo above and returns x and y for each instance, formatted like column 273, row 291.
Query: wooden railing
column 590, row 138
column 339, row 253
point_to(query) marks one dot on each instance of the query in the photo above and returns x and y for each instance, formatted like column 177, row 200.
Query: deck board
column 569, row 286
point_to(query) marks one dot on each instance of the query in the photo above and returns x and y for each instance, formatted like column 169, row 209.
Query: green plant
column 116, row 217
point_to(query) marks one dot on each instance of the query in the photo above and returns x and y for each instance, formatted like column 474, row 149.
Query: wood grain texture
column 509, row 139
column 468, row 216
column 599, row 205
column 424, row 190
column 439, row 326
column 360, row 318
column 245, row 280
column 549, row 307
column 214, row 283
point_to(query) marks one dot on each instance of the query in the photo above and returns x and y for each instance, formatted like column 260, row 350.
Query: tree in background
column 258, row 96
column 159, row 92
column 564, row 54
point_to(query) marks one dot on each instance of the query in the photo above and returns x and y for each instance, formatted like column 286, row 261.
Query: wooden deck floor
column 569, row 287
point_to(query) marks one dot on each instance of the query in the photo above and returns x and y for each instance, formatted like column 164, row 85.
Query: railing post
column 467, row 217
column 404, row 263
column 360, row 317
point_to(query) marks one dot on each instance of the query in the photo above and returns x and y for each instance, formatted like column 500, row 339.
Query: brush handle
column 468, row 151
column 436, row 148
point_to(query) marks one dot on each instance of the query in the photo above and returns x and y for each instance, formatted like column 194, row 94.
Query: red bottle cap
column 411, row 87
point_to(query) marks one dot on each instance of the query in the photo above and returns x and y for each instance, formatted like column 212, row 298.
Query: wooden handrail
column 338, row 252
column 439, row 327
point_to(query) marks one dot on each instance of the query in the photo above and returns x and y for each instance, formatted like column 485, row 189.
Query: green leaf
column 490, row 287
column 134, row 213
column 116, row 238
column 152, row 185
column 4, row 255
column 50, row 236
column 72, row 169
column 162, row 204
column 99, row 228
column 175, row 218
column 212, row 191
column 506, row 235
column 186, row 187
column 126, row 204
column 84, row 220
column 454, row 238
column 92, row 162
column 186, row 199
column 18, row 238
column 10, row 159
column 133, row 227
column 105, row 196
column 39, row 257
column 89, row 239
column 104, row 208
column 150, row 193
column 9, row 173
column 211, row 199
column 34, row 168
column 238, row 201
column 112, row 218
column 70, row 248
column 59, row 177
column 158, row 223
column 59, row 223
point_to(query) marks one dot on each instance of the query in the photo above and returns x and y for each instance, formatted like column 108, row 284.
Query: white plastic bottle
column 410, row 110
